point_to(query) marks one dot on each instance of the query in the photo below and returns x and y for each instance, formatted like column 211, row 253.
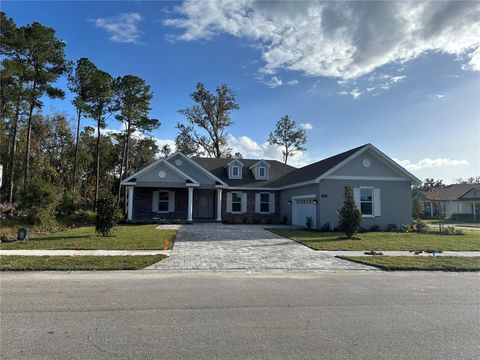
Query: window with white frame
column 264, row 202
column 236, row 202
column 235, row 171
column 366, row 201
column 262, row 172
column 163, row 199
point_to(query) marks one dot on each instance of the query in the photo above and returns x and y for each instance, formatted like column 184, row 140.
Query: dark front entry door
column 203, row 204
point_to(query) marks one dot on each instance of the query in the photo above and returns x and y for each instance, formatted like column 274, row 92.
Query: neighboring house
column 457, row 202
column 245, row 190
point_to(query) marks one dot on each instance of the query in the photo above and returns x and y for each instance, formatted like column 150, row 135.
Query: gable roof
column 133, row 177
column 311, row 172
column 217, row 168
column 450, row 192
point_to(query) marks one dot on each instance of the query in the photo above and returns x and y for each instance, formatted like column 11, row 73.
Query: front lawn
column 429, row 263
column 69, row 263
column 124, row 237
column 470, row 241
column 453, row 222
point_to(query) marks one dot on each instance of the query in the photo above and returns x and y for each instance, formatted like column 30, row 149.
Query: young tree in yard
column 79, row 84
column 44, row 56
column 210, row 114
column 98, row 106
column 106, row 218
column 290, row 137
column 350, row 216
column 132, row 101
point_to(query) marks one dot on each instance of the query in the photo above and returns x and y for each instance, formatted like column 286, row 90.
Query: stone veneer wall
column 250, row 215
column 142, row 205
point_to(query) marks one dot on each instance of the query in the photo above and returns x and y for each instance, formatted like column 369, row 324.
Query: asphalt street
column 239, row 315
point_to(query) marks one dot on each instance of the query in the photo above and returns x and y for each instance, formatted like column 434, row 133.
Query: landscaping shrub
column 106, row 218
column 66, row 208
column 237, row 221
column 450, row 230
column 8, row 211
column 325, row 227
column 420, row 226
column 285, row 219
column 374, row 228
column 408, row 228
column 350, row 216
column 39, row 201
column 309, row 222
column 391, row 227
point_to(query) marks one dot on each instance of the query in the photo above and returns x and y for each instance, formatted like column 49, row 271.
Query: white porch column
column 190, row 204
column 130, row 203
column 219, row 204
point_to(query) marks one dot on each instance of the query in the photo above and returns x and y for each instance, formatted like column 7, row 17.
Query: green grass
column 68, row 263
column 124, row 237
column 428, row 263
column 384, row 240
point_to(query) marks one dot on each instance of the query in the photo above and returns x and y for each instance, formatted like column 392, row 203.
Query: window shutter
column 257, row 202
column 229, row 202
column 171, row 201
column 272, row 203
column 155, row 201
column 356, row 197
column 244, row 202
column 376, row 202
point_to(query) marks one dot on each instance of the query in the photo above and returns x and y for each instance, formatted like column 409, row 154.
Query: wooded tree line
column 78, row 161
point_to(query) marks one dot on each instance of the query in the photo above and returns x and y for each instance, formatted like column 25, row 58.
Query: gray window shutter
column 171, row 201
column 229, row 202
column 257, row 202
column 272, row 203
column 244, row 202
column 377, row 209
column 155, row 201
column 356, row 197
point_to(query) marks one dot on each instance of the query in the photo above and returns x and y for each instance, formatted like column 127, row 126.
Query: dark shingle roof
column 450, row 192
column 313, row 171
column 217, row 168
column 279, row 173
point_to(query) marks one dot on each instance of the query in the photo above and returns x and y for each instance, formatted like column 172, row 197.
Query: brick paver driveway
column 227, row 247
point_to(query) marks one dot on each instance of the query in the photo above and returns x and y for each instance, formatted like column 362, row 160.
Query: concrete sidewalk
column 402, row 253
column 83, row 252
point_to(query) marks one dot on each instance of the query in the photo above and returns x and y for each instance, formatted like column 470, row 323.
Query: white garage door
column 301, row 209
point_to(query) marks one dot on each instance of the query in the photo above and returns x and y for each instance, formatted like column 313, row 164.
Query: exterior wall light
column 315, row 202
column 289, row 202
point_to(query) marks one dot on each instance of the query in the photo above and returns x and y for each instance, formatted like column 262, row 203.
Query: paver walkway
column 227, row 247
column 83, row 252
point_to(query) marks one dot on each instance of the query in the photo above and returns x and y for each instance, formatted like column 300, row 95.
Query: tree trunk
column 122, row 164
column 75, row 156
column 97, row 175
column 286, row 155
column 29, row 134
column 127, row 163
column 13, row 151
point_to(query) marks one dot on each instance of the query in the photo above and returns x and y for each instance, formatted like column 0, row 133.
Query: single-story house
column 456, row 202
column 258, row 190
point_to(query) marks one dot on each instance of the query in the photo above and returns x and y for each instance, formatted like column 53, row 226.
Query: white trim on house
column 198, row 166
column 151, row 166
column 368, row 178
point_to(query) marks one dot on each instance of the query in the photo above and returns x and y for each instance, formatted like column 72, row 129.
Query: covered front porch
column 188, row 204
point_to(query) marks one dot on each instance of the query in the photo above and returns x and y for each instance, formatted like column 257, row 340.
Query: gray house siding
column 395, row 197
column 287, row 194
column 206, row 182
column 376, row 168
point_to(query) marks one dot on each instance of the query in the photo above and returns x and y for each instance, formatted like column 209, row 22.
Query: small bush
column 106, row 218
column 325, row 227
column 391, row 227
column 362, row 229
column 420, row 226
column 309, row 222
column 285, row 220
column 374, row 228
column 450, row 230
column 8, row 211
column 408, row 228
column 350, row 216
column 66, row 208
column 237, row 221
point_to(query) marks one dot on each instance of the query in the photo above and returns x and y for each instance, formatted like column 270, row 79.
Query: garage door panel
column 301, row 209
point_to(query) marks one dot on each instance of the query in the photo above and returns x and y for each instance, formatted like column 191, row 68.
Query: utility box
column 22, row 234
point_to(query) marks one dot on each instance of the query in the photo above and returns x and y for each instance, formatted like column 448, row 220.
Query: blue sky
column 404, row 77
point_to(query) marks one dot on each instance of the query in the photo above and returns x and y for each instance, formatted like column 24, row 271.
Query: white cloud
column 292, row 82
column 249, row 148
column 122, row 28
column 430, row 163
column 273, row 82
column 337, row 39
column 355, row 93
column 306, row 126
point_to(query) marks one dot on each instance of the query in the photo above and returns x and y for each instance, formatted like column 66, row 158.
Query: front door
column 203, row 204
